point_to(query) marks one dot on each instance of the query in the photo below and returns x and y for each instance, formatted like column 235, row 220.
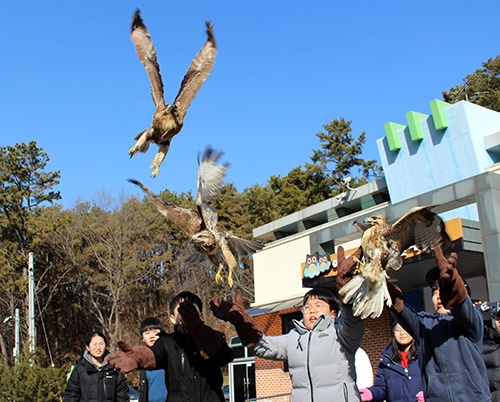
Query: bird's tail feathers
column 366, row 301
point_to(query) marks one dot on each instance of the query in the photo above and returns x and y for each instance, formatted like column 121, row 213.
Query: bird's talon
column 218, row 278
column 155, row 172
column 359, row 267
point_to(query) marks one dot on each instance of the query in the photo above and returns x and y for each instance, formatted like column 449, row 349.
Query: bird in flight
column 382, row 246
column 168, row 119
column 219, row 244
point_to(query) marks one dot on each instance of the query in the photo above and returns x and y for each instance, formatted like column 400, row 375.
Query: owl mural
column 316, row 264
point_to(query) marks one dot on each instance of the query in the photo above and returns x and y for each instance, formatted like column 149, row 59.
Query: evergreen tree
column 482, row 87
column 340, row 156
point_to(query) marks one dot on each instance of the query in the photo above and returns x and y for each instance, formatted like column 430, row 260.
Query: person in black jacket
column 491, row 357
column 192, row 355
column 93, row 379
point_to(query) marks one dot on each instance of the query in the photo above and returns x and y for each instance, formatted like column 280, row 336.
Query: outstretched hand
column 190, row 316
column 125, row 361
column 452, row 290
column 346, row 266
column 227, row 311
column 249, row 331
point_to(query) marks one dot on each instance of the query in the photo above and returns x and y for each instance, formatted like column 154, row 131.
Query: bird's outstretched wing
column 242, row 247
column 188, row 220
column 210, row 176
column 147, row 55
column 197, row 73
column 420, row 227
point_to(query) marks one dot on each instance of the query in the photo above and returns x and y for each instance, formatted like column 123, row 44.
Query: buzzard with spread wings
column 168, row 119
column 220, row 245
column 383, row 246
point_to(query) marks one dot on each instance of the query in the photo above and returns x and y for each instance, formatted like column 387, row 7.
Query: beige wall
column 277, row 271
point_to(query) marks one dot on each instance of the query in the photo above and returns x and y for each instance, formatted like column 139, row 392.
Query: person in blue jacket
column 398, row 377
column 450, row 340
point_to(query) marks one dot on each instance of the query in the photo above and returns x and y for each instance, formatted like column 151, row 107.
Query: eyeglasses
column 308, row 308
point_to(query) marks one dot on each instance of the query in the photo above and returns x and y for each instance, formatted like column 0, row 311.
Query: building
column 449, row 157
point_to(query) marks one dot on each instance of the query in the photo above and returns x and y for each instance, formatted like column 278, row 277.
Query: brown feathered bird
column 382, row 246
column 220, row 245
column 168, row 118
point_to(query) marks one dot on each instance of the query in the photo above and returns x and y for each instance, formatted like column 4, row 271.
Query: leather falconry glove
column 452, row 290
column 247, row 328
column 131, row 358
column 346, row 267
column 209, row 340
column 396, row 297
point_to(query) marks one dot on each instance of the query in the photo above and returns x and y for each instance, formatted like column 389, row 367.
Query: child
column 398, row 375
column 449, row 341
column 192, row 355
column 319, row 350
column 152, row 387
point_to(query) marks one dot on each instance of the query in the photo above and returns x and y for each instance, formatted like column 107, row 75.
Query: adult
column 93, row 379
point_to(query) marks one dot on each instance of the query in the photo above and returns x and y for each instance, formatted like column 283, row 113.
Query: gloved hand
column 209, row 340
column 345, row 267
column 366, row 394
column 452, row 290
column 420, row 396
column 248, row 330
column 131, row 358
column 396, row 297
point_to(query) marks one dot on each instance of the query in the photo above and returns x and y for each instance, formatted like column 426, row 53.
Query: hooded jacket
column 88, row 383
column 393, row 382
column 321, row 361
column 491, row 357
column 449, row 353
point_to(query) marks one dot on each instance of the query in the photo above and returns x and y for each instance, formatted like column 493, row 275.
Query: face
column 497, row 323
column 402, row 337
column 96, row 347
column 436, row 300
column 313, row 309
column 150, row 336
column 176, row 318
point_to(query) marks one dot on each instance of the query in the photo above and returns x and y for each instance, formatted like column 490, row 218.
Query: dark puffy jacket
column 491, row 357
column 190, row 377
column 87, row 383
column 449, row 353
column 393, row 382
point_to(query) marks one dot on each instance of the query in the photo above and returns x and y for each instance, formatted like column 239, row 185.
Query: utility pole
column 17, row 336
column 31, row 305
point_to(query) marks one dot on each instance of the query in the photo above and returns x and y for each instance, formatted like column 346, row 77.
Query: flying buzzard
column 208, row 238
column 382, row 246
column 168, row 118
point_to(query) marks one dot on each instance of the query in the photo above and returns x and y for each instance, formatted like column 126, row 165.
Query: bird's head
column 205, row 242
column 375, row 220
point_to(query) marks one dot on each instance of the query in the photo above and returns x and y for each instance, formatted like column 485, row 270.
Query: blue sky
column 71, row 81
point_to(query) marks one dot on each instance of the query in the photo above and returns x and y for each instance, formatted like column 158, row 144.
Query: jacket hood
column 88, row 358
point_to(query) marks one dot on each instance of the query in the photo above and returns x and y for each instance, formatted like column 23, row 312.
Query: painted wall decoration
column 316, row 264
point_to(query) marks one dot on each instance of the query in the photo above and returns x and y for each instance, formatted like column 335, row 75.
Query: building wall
column 441, row 156
column 278, row 265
